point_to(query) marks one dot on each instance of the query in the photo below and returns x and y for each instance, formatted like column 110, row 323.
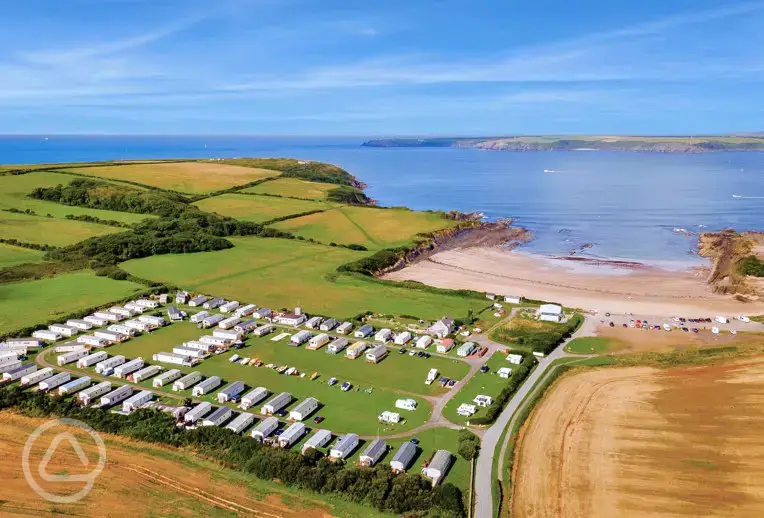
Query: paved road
column 484, row 467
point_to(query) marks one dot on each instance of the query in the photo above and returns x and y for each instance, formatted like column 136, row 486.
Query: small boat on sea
column 551, row 171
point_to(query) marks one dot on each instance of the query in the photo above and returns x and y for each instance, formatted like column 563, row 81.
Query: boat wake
column 748, row 197
column 551, row 171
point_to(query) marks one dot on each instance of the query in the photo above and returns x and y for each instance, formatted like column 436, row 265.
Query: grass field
column 187, row 177
column 589, row 345
column 14, row 255
column 49, row 231
column 293, row 187
column 256, row 208
column 373, row 228
column 14, row 191
column 283, row 274
column 28, row 303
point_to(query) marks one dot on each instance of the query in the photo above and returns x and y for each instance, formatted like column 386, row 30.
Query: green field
column 14, row 190
column 371, row 227
column 15, row 255
column 283, row 274
column 589, row 345
column 256, row 208
column 49, row 231
column 28, row 303
column 186, row 177
column 293, row 187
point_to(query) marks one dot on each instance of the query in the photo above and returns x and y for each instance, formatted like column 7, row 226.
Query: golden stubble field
column 641, row 442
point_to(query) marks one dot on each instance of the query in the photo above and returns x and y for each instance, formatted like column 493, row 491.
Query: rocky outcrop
column 726, row 249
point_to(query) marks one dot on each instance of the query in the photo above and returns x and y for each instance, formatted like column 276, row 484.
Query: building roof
column 219, row 413
column 405, row 453
column 305, row 405
column 550, row 309
column 375, row 449
column 345, row 442
column 440, row 461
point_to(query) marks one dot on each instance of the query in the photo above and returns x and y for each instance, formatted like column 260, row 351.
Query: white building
column 303, row 409
column 423, row 342
column 264, row 330
column 515, row 359
column 229, row 306
column 344, row 328
column 513, row 300
column 227, row 334
column 213, row 340
column 344, row 446
column 313, row 323
column 228, row 323
column 108, row 316
column 444, row 346
column 125, row 312
column 403, row 457
column 317, row 440
column 230, row 392
column 241, row 422
column 373, row 453
column 318, row 341
column 300, row 338
column 152, row 320
column 145, row 373
column 328, row 324
column 212, row 320
column 92, row 359
column 482, row 400
column 147, row 303
column 196, row 413
column 11, row 366
column 116, row 396
column 126, row 368
column 181, row 297
column 165, row 378
column 291, row 435
column 199, row 346
column 96, row 321
column 188, row 351
column 187, row 381
column 389, row 417
column 138, row 325
column 377, row 354
column 54, row 381
column 109, row 336
column 88, row 395
column 253, row 397
column 213, row 303
column 174, row 359
column 265, row 428
column 218, row 417
column 82, row 325
column 63, row 330
column 337, row 346
column 438, row 466
column 406, row 404
column 174, row 314
column 383, row 335
column 504, row 372
column 276, row 403
column 135, row 308
column 466, row 349
column 46, row 334
column 198, row 300
column 37, row 377
column 119, row 328
column 197, row 318
column 244, row 311
column 70, row 357
column 403, row 338
column 207, row 386
column 74, row 386
column 136, row 401
column 550, row 313
column 107, row 366
column 364, row 331
column 442, row 328
column 356, row 350
column 264, row 313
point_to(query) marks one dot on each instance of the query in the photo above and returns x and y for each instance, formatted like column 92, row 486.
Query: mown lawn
column 14, row 192
column 371, row 227
column 49, row 231
column 256, row 208
column 293, row 187
column 15, row 255
column 589, row 345
column 281, row 273
column 187, row 177
column 28, row 303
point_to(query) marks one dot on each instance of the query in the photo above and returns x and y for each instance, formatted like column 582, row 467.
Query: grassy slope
column 13, row 255
column 589, row 345
column 27, row 303
column 49, row 231
column 14, row 191
column 293, row 187
column 256, row 208
column 283, row 274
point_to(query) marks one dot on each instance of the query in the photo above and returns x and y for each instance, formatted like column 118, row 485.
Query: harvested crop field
column 640, row 441
column 143, row 480
column 257, row 208
column 188, row 177
column 630, row 341
column 293, row 187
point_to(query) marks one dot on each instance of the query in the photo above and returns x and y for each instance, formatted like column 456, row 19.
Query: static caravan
column 389, row 417
column 198, row 300
column 107, row 366
column 196, row 413
column 291, row 319
column 213, row 303
column 93, row 341
column 181, row 297
column 445, row 345
column 356, row 350
column 125, row 312
column 63, row 330
column 165, row 378
column 199, row 317
column 403, row 457
column 318, row 341
column 110, row 336
column 212, row 320
column 123, row 370
column 291, row 435
column 377, row 354
column 264, row 330
column 227, row 334
column 229, row 322
column 37, row 377
column 246, row 326
column 482, row 400
column 244, row 311
column 303, row 409
column 466, row 349
column 230, row 392
column 147, row 303
column 30, row 343
column 207, row 386
column 96, row 321
column 300, row 338
column 138, row 325
column 187, row 381
column 218, row 417
column 117, row 395
column 317, row 440
column 328, row 324
column 406, row 404
column 313, row 323
column 213, row 340
column 276, row 403
column 263, row 313
column 109, row 316
column 174, row 359
column 136, row 401
column 152, row 320
column 69, row 347
column 9, row 366
column 241, row 422
column 176, row 411
column 344, row 446
column 145, row 373
column 137, row 309
column 466, row 410
column 74, row 386
column 265, row 428
column 344, row 328
column 364, row 331
column 337, row 346
column 88, row 395
column 54, row 381
column 383, row 335
column 8, row 355
column 515, row 359
column 438, row 466
column 188, row 351
column 70, row 357
column 124, row 330
column 82, row 325
column 403, row 338
column 199, row 346
column 229, row 306
column 550, row 313
column 47, row 335
column 373, row 453
column 504, row 372
column 253, row 397
column 174, row 314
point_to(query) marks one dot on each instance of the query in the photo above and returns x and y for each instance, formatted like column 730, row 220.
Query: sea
column 646, row 207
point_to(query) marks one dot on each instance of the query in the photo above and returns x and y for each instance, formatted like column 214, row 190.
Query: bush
column 469, row 444
column 751, row 266
column 348, row 195
column 543, row 340
column 493, row 411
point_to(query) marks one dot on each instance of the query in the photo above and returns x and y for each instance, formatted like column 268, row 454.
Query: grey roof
column 366, row 328
column 440, row 461
column 345, row 441
column 305, row 405
column 237, row 387
column 375, row 449
column 405, row 454
column 217, row 414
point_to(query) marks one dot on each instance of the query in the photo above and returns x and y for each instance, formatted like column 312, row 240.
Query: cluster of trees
column 376, row 487
column 100, row 221
column 751, row 265
column 320, row 172
column 371, row 265
column 493, row 411
column 468, row 445
column 543, row 340
column 348, row 195
column 24, row 244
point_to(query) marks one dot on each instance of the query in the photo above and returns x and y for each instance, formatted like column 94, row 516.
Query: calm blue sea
column 626, row 205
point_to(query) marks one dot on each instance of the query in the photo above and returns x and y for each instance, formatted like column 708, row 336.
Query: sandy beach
column 590, row 285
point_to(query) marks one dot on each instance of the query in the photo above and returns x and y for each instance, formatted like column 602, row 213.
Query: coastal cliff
column 727, row 249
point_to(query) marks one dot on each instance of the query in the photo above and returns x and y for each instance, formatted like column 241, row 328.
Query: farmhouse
column 241, row 422
column 229, row 306
column 88, row 395
column 364, row 331
column 253, row 397
column 336, row 346
column 299, row 338
column 218, row 417
column 165, row 378
column 196, row 413
column 244, row 311
column 423, row 342
column 63, row 329
column 197, row 318
column 504, row 372
column 145, row 373
column 403, row 338
column 389, row 417
column 181, row 297
column 406, row 404
column 290, row 319
column 291, row 435
column 442, row 328
column 466, row 349
column 213, row 303
column 444, row 345
column 265, row 428
column 174, row 314
column 318, row 341
column 317, row 440
column 264, row 330
column 107, row 366
column 344, row 328
column 187, row 381
column 313, row 323
column 550, row 313
column 38, row 376
column 373, row 453
column 438, row 466
column 45, row 334
column 276, row 403
column 344, row 446
column 328, row 324
column 54, row 381
column 230, row 392
column 355, row 350
column 74, row 386
column 128, row 368
column 82, row 325
column 228, row 323
column 383, row 335
column 377, row 354
column 174, row 359
column 136, row 401
column 304, row 409
column 403, row 457
column 207, row 386
column 116, row 396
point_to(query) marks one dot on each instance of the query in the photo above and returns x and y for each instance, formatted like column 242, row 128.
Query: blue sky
column 391, row 67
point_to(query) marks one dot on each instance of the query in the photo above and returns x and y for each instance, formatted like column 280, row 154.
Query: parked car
column 318, row 419
column 402, row 350
column 346, row 386
column 484, row 368
column 414, row 440
column 332, row 381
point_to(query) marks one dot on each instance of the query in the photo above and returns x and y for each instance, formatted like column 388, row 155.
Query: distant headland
column 657, row 144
